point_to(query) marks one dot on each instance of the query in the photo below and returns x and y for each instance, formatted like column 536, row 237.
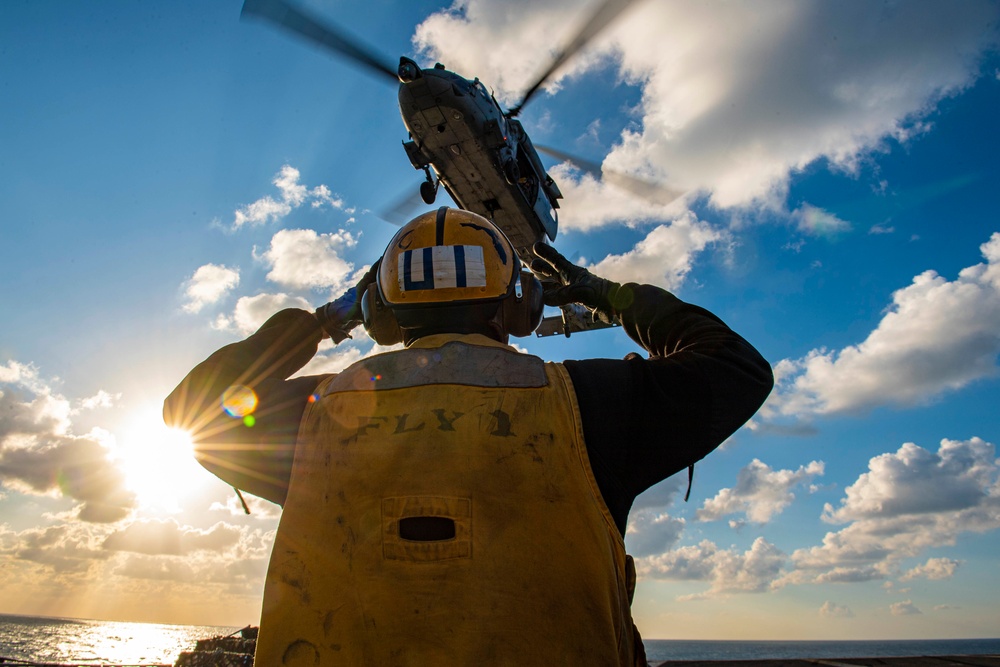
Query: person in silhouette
column 455, row 501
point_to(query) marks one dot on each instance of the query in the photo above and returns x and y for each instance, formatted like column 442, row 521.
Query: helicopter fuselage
column 484, row 159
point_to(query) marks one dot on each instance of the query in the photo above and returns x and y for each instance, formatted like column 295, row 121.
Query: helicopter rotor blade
column 656, row 193
column 407, row 206
column 607, row 11
column 403, row 209
column 326, row 35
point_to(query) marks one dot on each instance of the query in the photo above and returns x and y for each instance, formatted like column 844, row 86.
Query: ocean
column 683, row 649
column 80, row 641
column 38, row 639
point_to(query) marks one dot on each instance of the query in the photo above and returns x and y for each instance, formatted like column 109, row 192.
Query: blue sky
column 169, row 176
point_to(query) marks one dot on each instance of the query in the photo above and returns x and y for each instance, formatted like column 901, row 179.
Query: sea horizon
column 663, row 639
column 85, row 640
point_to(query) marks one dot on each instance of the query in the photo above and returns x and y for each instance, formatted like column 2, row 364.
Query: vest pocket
column 426, row 528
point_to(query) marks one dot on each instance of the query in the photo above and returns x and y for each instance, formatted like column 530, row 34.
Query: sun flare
column 159, row 462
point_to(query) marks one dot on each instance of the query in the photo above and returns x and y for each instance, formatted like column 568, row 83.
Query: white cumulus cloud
column 209, row 283
column 729, row 571
column 937, row 335
column 735, row 96
column 934, row 568
column 167, row 537
column 650, row 533
column 303, row 258
column 915, row 481
column 40, row 453
column 904, row 608
column 760, row 492
column 832, row 610
column 292, row 195
column 909, row 501
column 589, row 203
column 252, row 311
column 817, row 222
column 664, row 257
column 69, row 548
column 101, row 399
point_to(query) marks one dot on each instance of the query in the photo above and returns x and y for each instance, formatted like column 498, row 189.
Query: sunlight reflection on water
column 84, row 641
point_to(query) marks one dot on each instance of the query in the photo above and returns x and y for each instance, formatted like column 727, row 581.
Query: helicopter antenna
column 607, row 12
column 326, row 35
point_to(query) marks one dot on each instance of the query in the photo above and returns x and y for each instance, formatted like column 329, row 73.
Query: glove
column 340, row 316
column 564, row 282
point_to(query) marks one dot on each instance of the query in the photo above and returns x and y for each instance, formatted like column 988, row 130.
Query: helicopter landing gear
column 428, row 192
column 428, row 189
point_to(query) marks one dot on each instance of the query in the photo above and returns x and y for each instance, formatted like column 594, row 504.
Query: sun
column 158, row 462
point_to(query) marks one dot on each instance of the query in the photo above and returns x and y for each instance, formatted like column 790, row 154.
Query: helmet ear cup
column 378, row 319
column 522, row 312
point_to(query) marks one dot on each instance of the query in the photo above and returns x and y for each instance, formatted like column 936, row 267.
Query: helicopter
column 462, row 139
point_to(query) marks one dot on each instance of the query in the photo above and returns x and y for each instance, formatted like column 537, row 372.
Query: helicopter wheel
column 428, row 192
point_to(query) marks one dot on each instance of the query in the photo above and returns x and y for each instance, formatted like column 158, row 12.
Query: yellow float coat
column 523, row 564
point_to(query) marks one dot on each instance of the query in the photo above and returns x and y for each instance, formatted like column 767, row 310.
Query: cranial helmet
column 450, row 271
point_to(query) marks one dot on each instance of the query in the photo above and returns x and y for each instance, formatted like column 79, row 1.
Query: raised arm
column 240, row 406
column 646, row 419
column 251, row 451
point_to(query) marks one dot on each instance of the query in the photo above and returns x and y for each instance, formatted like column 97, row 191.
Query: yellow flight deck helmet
column 441, row 272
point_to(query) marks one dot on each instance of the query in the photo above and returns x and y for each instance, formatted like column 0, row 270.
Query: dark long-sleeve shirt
column 643, row 419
